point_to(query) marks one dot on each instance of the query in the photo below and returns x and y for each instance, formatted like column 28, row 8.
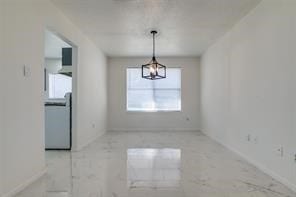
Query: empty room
column 148, row 98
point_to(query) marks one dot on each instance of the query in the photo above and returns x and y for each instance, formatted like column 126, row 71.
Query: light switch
column 26, row 71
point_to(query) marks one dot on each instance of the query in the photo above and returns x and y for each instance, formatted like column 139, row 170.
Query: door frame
column 73, row 100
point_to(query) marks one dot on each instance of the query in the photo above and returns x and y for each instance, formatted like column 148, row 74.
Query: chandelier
column 153, row 70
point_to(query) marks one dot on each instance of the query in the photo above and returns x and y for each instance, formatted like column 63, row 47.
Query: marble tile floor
column 153, row 164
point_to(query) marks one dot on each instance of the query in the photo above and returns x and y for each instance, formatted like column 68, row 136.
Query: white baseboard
column 256, row 164
column 152, row 129
column 28, row 182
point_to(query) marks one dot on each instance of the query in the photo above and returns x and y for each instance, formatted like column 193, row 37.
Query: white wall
column 92, row 95
column 248, row 82
column 1, row 95
column 25, row 23
column 120, row 119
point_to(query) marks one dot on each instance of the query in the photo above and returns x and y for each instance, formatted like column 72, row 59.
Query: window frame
column 151, row 111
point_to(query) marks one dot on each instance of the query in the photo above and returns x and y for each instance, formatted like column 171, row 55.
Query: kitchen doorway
column 59, row 71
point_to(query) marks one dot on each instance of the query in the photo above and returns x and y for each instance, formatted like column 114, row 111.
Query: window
column 59, row 85
column 153, row 95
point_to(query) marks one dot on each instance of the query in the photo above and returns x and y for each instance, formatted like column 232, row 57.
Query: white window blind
column 59, row 85
column 153, row 95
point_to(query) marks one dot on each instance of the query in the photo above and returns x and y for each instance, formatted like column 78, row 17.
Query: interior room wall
column 92, row 94
column 248, row 92
column 120, row 119
column 1, row 94
column 25, row 22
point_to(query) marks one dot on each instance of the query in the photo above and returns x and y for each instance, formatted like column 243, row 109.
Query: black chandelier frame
column 159, row 69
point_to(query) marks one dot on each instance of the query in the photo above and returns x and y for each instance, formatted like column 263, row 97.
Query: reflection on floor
column 153, row 168
column 153, row 164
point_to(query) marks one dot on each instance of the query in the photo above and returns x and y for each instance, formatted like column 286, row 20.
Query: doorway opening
column 59, row 63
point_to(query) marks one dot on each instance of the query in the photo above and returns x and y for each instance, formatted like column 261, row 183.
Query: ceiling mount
column 153, row 32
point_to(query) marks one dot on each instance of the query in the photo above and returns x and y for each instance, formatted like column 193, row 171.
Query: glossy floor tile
column 153, row 168
column 153, row 164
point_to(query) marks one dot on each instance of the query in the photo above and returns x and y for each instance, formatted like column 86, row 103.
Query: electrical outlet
column 256, row 140
column 280, row 151
column 248, row 137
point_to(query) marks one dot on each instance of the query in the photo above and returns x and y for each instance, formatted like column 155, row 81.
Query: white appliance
column 58, row 124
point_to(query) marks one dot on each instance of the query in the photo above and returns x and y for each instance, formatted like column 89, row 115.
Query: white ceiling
column 53, row 45
column 187, row 27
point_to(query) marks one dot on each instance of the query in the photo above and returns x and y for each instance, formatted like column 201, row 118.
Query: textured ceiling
column 187, row 27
